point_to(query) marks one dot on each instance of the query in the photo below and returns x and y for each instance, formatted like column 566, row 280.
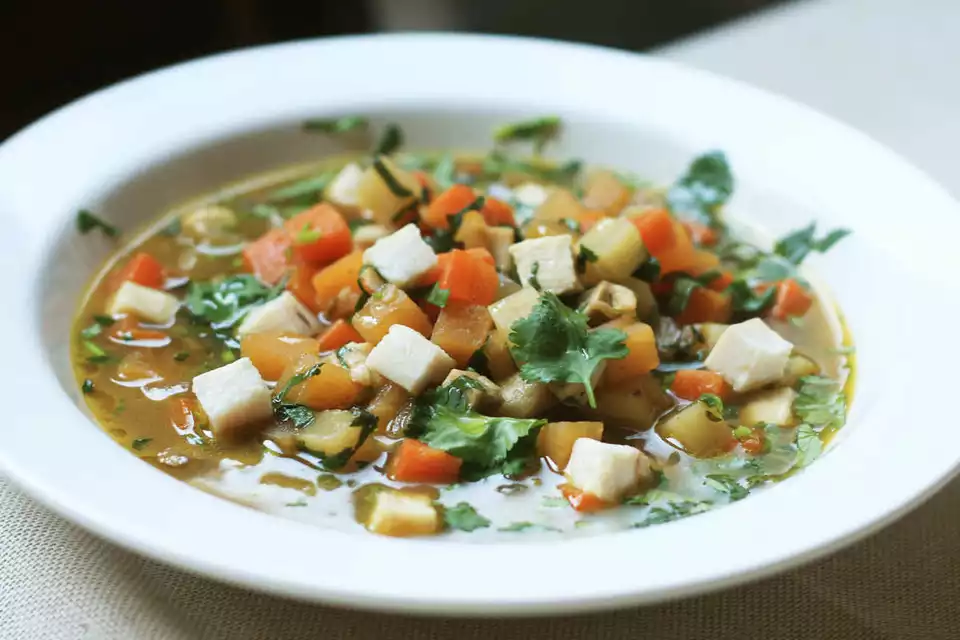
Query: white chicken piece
column 234, row 397
column 410, row 360
column 283, row 314
column 146, row 303
column 548, row 263
column 402, row 257
column 343, row 188
column 749, row 355
column 608, row 471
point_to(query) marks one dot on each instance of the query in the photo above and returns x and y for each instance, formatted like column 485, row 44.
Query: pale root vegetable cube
column 210, row 221
column 711, row 332
column 749, row 355
column 499, row 361
column 634, row 404
column 367, row 235
column 547, row 262
column 385, row 190
column 646, row 301
column 343, row 188
column 283, row 314
column 234, row 397
column 143, row 302
column 387, row 404
column 696, row 430
column 402, row 257
column 605, row 191
column 514, row 307
column 531, row 194
column 799, row 366
column 575, row 393
column 617, row 248
column 353, row 357
column 608, row 301
column 407, row 358
column 556, row 439
column 774, row 406
column 332, row 432
column 608, row 471
column 499, row 241
column 402, row 514
column 559, row 204
column 484, row 396
column 522, row 399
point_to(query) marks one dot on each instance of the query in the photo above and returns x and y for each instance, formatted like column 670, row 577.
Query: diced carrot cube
column 582, row 501
column 657, row 230
column 334, row 278
column 497, row 212
column 706, row 305
column 340, row 333
column 469, row 279
column 690, row 384
column 320, row 234
column 414, row 461
column 267, row 256
column 450, row 202
column 792, row 300
column 142, row 269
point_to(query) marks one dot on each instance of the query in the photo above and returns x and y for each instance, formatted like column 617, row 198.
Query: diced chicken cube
column 774, row 407
column 343, row 188
column 512, row 308
column 283, row 314
column 399, row 513
column 402, row 257
column 353, row 357
column 547, row 262
column 608, row 471
column 234, row 397
column 749, row 355
column 146, row 303
column 367, row 235
column 486, row 397
column 407, row 358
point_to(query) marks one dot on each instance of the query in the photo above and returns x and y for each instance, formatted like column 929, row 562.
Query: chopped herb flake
column 87, row 222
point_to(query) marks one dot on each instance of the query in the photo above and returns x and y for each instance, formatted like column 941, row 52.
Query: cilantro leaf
column 140, row 443
column 796, row 246
column 464, row 517
column 390, row 140
column 87, row 386
column 540, row 131
column 554, row 345
column 307, row 235
column 87, row 222
column 336, row 125
column 820, row 402
column 809, row 445
column 305, row 191
column 726, row 484
column 445, row 171
column 390, row 180
column 703, row 189
column 673, row 510
column 438, row 296
column 222, row 303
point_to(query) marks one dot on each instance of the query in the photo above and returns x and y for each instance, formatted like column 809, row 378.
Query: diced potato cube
column 774, row 406
column 344, row 188
column 380, row 196
column 749, row 355
column 148, row 304
column 605, row 191
column 331, row 433
column 635, row 404
column 548, row 261
column 461, row 330
column 608, row 471
column 607, row 301
column 402, row 257
column 387, row 403
column 401, row 514
column 559, row 204
column 283, row 314
column 696, row 430
column 499, row 361
column 499, row 241
column 486, row 398
column 618, row 249
column 522, row 399
column 407, row 358
column 556, row 439
column 514, row 307
column 234, row 397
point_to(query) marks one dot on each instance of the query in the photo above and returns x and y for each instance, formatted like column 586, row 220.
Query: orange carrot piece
column 334, row 278
column 642, row 355
column 792, row 300
column 701, row 234
column 657, row 230
column 182, row 414
column 443, row 259
column 340, row 333
column 706, row 305
column 581, row 500
column 332, row 388
column 414, row 461
column 721, row 282
column 497, row 212
column 142, row 269
column 682, row 256
column 469, row 279
column 300, row 285
column 320, row 234
column 450, row 202
column 266, row 257
column 690, row 384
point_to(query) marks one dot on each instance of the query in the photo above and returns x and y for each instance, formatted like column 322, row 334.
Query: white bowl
column 136, row 148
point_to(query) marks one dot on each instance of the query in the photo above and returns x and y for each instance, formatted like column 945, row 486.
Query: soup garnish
column 480, row 345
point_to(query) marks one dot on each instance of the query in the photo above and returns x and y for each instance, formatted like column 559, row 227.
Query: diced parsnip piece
column 273, row 352
column 537, row 228
column 799, row 366
column 353, row 357
column 512, row 308
column 522, row 399
column 499, row 361
column 646, row 302
column 210, row 221
column 473, row 231
column 144, row 302
column 531, row 194
column 556, row 439
column 547, row 261
column 332, row 388
column 370, row 450
column 387, row 403
column 575, row 393
column 507, row 287
column 607, row 301
column 635, row 404
column 401, row 514
column 234, row 397
column 642, row 355
column 461, row 330
column 344, row 188
column 604, row 190
column 407, row 358
column 282, row 314
column 618, row 248
column 485, row 398
column 559, row 204
column 607, row 471
column 389, row 306
column 331, row 433
column 402, row 257
column 774, row 406
column 698, row 431
column 711, row 332
column 364, row 237
column 380, row 194
column 499, row 241
column 749, row 355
